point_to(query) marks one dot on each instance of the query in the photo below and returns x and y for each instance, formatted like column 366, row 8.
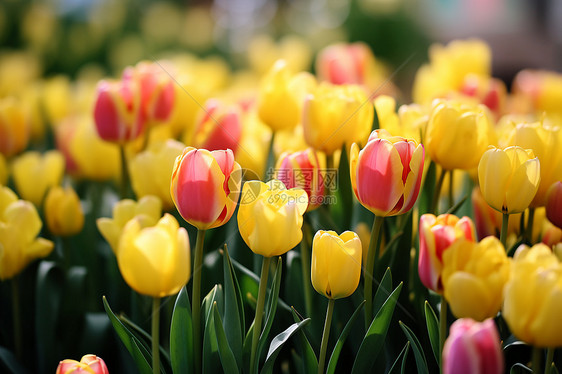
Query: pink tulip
column 436, row 236
column 89, row 364
column 344, row 63
column 386, row 174
column 473, row 347
column 219, row 127
column 205, row 186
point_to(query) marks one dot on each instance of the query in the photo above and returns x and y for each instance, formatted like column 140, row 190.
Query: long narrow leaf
column 228, row 360
column 211, row 357
column 181, row 335
column 398, row 366
column 278, row 342
column 271, row 306
column 383, row 291
column 309, row 361
column 421, row 362
column 234, row 308
column 341, row 340
column 10, row 362
column 432, row 329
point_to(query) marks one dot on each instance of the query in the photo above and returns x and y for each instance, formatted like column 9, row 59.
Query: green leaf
column 383, row 291
column 234, row 308
column 426, row 194
column 519, row 368
column 398, row 366
column 310, row 362
column 211, row 357
column 271, row 306
column 432, row 329
column 10, row 362
column 228, row 360
column 341, row 340
column 421, row 362
column 343, row 208
column 457, row 206
column 130, row 341
column 181, row 335
column 278, row 342
column 374, row 339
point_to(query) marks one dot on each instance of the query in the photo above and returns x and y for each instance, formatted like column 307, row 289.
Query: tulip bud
column 473, row 347
column 489, row 91
column 436, row 236
column 554, row 204
column 386, row 174
column 509, row 178
column 88, row 364
column 473, row 277
column 63, row 211
column 219, row 127
column 14, row 127
column 34, row 174
column 270, row 217
column 205, row 186
column 345, row 63
column 336, row 263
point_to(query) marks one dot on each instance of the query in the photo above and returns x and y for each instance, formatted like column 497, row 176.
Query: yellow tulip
column 473, row 276
column 63, row 211
column 336, row 263
column 151, row 170
column 19, row 226
column 532, row 297
column 408, row 122
column 509, row 178
column 336, row 115
column 154, row 261
column 270, row 217
column 34, row 174
column 458, row 134
column 147, row 210
column 14, row 127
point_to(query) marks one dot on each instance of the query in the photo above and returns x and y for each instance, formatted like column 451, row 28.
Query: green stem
column 124, row 173
column 437, row 192
column 156, row 335
column 196, row 299
column 536, row 363
column 305, row 265
column 442, row 329
column 259, row 313
column 503, row 233
column 370, row 268
column 270, row 162
column 529, row 229
column 16, row 316
column 549, row 359
column 451, row 185
column 65, row 243
column 325, row 336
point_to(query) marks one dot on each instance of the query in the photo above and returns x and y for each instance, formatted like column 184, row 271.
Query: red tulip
column 89, row 364
column 554, row 204
column 220, row 127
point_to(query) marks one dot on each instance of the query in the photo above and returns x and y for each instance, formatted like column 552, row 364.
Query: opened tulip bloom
column 205, row 186
column 474, row 275
column 270, row 217
column 89, row 364
column 436, row 236
column 63, row 211
column 473, row 347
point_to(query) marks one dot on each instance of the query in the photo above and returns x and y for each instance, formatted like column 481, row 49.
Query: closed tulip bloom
column 473, row 347
column 408, row 122
column 89, row 364
column 205, row 186
column 147, row 210
column 458, row 134
column 473, row 277
column 303, row 170
column 218, row 127
column 63, row 211
column 386, row 174
column 554, row 204
column 509, row 178
column 34, row 174
column 436, row 236
column 336, row 115
column 19, row 226
column 14, row 127
column 154, row 260
column 151, row 170
column 270, row 217
column 532, row 301
column 336, row 263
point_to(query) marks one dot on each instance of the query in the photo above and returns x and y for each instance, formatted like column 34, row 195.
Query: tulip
column 205, row 186
column 303, row 170
column 19, row 226
column 151, row 170
column 34, row 174
column 489, row 91
column 473, row 277
column 542, row 89
column 3, row 170
column 264, row 51
column 218, row 127
column 551, row 235
column 270, row 217
column 336, row 115
column 336, row 263
column 408, row 122
column 473, row 347
column 458, row 134
column 554, row 204
column 63, row 211
column 386, row 174
column 147, row 210
column 437, row 234
column 254, row 144
column 14, row 127
column 89, row 364
column 532, row 297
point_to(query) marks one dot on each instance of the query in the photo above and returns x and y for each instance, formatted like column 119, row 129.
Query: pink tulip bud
column 88, row 364
column 219, row 127
column 344, row 63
